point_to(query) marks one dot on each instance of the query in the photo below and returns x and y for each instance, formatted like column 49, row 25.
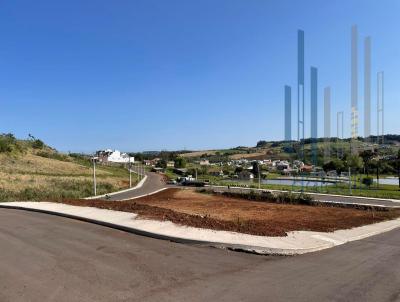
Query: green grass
column 384, row 191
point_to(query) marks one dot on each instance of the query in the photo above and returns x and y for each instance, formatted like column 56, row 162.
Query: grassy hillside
column 30, row 170
column 294, row 150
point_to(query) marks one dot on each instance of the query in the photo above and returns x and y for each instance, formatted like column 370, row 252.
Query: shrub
column 288, row 198
column 368, row 181
column 37, row 144
column 7, row 143
column 52, row 155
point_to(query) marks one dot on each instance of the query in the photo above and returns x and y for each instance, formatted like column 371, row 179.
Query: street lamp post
column 94, row 158
column 130, row 173
column 398, row 167
column 350, row 181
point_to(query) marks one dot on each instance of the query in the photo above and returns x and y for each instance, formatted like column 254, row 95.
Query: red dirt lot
column 190, row 208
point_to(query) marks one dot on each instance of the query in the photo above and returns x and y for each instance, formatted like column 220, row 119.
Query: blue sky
column 152, row 75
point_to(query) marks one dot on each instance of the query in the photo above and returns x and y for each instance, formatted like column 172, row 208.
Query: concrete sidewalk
column 138, row 186
column 295, row 243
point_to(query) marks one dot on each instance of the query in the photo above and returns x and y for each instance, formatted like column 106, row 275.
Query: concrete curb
column 138, row 186
column 144, row 195
column 319, row 240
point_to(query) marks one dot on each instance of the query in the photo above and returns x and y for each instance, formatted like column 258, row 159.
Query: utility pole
column 130, row 173
column 350, row 181
column 259, row 177
column 398, row 167
column 94, row 176
column 377, row 172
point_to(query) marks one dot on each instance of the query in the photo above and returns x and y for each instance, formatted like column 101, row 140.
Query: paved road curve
column 153, row 183
column 48, row 258
column 364, row 200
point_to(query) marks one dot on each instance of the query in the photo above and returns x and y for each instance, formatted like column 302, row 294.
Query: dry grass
column 33, row 164
column 29, row 176
column 198, row 153
column 255, row 155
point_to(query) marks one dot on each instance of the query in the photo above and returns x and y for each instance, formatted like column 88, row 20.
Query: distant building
column 170, row 164
column 151, row 162
column 158, row 170
column 307, row 168
column 204, row 162
column 114, row 156
column 282, row 165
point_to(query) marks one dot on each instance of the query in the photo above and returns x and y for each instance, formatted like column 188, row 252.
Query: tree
column 261, row 144
column 37, row 144
column 238, row 170
column 366, row 155
column 335, row 164
column 162, row 163
column 256, row 168
column 180, row 162
column 355, row 162
column 368, row 181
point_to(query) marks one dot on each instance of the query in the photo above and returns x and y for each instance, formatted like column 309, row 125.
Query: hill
column 30, row 170
column 293, row 150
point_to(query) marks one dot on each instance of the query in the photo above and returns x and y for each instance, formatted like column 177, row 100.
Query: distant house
column 307, row 168
column 114, row 156
column 204, row 162
column 245, row 175
column 151, row 162
column 170, row 164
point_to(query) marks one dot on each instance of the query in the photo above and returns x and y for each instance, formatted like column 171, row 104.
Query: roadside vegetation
column 31, row 170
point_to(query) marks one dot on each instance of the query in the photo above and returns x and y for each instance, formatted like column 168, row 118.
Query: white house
column 115, row 156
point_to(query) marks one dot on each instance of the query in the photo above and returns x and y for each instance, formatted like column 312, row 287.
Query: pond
column 297, row 182
column 289, row 182
column 388, row 181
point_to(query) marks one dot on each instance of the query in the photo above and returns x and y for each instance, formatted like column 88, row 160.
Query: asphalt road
column 153, row 183
column 370, row 201
column 49, row 258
